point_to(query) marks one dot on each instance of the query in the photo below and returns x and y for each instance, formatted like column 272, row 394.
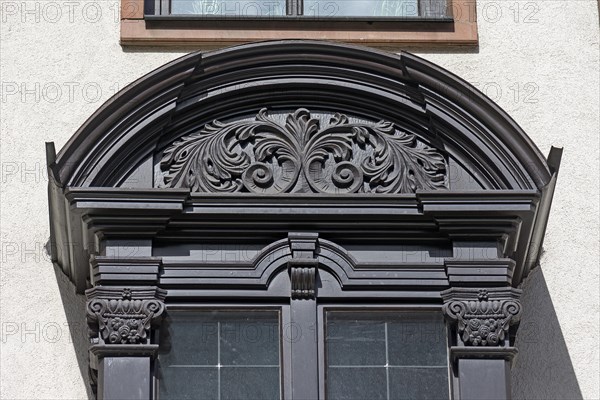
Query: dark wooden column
column 121, row 318
column 482, row 351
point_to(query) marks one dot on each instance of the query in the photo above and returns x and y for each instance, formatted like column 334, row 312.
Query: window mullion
column 165, row 7
column 304, row 349
column 303, row 270
column 294, row 8
column 387, row 362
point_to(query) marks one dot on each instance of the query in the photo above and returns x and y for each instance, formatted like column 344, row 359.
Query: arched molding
column 415, row 95
column 332, row 164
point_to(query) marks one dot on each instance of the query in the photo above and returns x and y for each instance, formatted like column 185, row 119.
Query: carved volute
column 482, row 316
column 307, row 153
column 123, row 315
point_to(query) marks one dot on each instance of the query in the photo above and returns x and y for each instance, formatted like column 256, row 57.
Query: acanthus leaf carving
column 482, row 316
column 122, row 315
column 302, row 155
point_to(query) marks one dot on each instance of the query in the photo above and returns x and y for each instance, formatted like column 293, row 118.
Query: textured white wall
column 539, row 60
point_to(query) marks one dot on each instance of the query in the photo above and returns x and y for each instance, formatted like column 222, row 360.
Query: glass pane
column 189, row 383
column 243, row 383
column 417, row 339
column 220, row 355
column 249, row 342
column 388, row 355
column 229, row 7
column 191, row 340
column 355, row 342
column 356, row 383
column 361, row 8
column 418, row 383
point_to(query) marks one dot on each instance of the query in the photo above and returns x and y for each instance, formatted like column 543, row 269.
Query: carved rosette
column 483, row 316
column 303, row 154
column 123, row 315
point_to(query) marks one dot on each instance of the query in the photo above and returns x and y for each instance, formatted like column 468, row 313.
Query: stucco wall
column 60, row 60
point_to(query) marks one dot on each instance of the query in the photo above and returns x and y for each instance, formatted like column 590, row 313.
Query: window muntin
column 386, row 355
column 220, row 355
column 370, row 351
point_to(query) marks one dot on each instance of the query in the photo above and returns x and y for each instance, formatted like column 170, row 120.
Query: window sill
column 137, row 29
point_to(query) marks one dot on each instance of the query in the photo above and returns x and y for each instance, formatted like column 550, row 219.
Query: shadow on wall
column 75, row 306
column 543, row 368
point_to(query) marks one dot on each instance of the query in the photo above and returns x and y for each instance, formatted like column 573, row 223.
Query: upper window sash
column 301, row 10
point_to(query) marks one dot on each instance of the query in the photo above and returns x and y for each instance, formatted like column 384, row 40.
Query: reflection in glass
column 221, row 355
column 229, row 7
column 312, row 8
column 386, row 355
column 361, row 8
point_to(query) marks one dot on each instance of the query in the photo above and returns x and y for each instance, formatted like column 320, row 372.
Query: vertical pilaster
column 482, row 351
column 303, row 308
column 121, row 319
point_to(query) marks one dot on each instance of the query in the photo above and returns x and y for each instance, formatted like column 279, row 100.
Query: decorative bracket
column 303, row 265
column 483, row 315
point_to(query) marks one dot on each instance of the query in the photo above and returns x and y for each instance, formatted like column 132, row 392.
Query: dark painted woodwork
column 294, row 175
column 124, row 378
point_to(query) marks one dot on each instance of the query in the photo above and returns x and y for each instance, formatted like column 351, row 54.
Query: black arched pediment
column 252, row 142
column 482, row 146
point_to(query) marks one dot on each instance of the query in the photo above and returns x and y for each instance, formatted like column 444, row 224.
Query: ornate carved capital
column 302, row 152
column 483, row 316
column 303, row 265
column 123, row 316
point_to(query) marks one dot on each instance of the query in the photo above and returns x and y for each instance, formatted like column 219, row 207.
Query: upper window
column 226, row 22
column 307, row 8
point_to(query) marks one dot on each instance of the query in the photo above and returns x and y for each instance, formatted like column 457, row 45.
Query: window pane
column 417, row 339
column 355, row 342
column 361, row 8
column 418, row 383
column 243, row 383
column 220, row 355
column 250, row 342
column 229, row 7
column 188, row 383
column 356, row 383
column 388, row 355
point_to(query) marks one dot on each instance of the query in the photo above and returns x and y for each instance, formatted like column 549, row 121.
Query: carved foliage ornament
column 123, row 320
column 483, row 321
column 304, row 154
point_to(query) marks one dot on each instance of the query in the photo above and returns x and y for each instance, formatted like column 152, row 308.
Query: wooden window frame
column 315, row 324
column 137, row 246
column 459, row 29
